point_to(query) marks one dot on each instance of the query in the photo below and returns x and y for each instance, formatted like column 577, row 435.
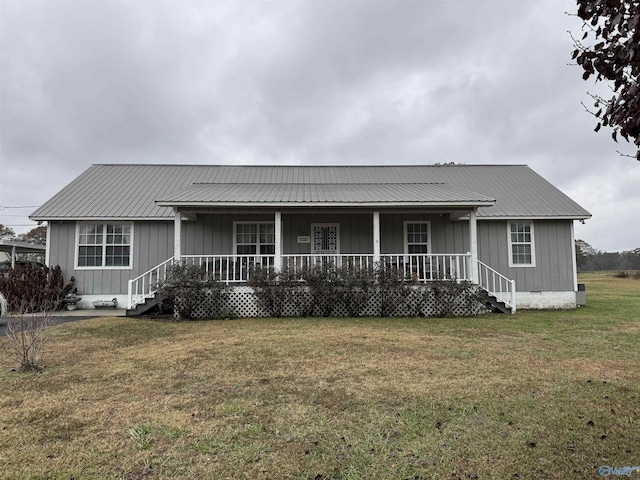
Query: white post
column 376, row 237
column 47, row 251
column 177, row 235
column 473, row 246
column 130, row 294
column 574, row 260
column 278, row 234
column 13, row 256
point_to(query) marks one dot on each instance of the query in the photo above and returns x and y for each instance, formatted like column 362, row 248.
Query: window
column 417, row 237
column 521, row 246
column 104, row 245
column 255, row 238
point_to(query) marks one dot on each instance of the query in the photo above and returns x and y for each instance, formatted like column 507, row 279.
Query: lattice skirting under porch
column 240, row 301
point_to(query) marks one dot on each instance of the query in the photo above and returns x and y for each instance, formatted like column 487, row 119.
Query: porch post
column 277, row 263
column 177, row 235
column 376, row 237
column 13, row 257
column 473, row 246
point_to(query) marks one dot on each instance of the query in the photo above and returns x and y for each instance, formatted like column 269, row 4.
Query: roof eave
column 471, row 204
column 535, row 217
column 69, row 218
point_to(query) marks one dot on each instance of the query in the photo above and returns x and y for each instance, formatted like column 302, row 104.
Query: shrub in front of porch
column 384, row 291
column 445, row 298
column 276, row 290
column 192, row 293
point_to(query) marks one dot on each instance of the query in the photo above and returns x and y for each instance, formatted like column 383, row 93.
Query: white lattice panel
column 240, row 301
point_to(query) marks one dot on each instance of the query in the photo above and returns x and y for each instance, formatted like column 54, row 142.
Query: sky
column 352, row 82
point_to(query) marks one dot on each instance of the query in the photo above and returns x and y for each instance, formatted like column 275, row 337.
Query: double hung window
column 104, row 245
column 255, row 238
column 521, row 244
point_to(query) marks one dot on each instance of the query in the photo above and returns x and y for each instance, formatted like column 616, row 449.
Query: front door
column 326, row 238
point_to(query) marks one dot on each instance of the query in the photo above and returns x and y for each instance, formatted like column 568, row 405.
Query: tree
column 36, row 235
column 614, row 57
column 7, row 233
column 583, row 253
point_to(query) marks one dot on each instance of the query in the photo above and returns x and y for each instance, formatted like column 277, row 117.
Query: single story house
column 116, row 228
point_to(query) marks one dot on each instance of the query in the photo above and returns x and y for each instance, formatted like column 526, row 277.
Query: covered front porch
column 424, row 244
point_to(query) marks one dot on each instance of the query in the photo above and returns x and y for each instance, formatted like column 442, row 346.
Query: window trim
column 104, row 244
column 533, row 245
column 405, row 239
column 257, row 244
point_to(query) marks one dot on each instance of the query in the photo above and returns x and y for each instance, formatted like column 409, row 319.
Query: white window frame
column 405, row 234
column 532, row 243
column 104, row 247
column 257, row 244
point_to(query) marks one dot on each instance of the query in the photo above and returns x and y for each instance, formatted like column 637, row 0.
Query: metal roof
column 9, row 246
column 326, row 194
column 123, row 191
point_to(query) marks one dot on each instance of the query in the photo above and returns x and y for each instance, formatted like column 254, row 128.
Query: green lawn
column 553, row 394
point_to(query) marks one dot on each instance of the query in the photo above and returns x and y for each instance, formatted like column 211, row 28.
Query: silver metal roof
column 326, row 194
column 131, row 191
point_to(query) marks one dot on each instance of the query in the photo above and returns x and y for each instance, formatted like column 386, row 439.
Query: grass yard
column 552, row 394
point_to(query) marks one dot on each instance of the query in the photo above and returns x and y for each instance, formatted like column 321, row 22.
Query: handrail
column 146, row 284
column 234, row 269
column 496, row 284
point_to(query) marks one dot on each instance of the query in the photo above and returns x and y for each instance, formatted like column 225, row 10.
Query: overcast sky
column 292, row 82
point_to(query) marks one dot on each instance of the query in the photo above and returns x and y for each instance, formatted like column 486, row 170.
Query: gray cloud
column 301, row 82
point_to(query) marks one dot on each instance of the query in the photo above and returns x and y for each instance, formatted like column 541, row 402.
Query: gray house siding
column 153, row 243
column 554, row 267
column 212, row 234
column 446, row 236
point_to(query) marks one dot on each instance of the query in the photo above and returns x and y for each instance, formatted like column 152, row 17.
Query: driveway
column 71, row 316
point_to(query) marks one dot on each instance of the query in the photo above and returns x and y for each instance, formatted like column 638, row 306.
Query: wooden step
column 144, row 307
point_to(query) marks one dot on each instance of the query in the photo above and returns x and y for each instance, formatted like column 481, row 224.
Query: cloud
column 298, row 82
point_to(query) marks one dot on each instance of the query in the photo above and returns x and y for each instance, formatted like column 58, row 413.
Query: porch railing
column 145, row 285
column 501, row 287
column 236, row 269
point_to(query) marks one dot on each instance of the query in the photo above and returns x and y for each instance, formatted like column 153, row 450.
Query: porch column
column 376, row 237
column 177, row 235
column 277, row 262
column 473, row 246
column 13, row 257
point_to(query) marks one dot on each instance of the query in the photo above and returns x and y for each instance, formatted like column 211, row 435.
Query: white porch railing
column 419, row 267
column 145, row 285
column 235, row 269
column 497, row 285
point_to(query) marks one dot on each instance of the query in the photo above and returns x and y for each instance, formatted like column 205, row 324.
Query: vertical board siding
column 153, row 243
column 553, row 270
column 446, row 236
column 212, row 234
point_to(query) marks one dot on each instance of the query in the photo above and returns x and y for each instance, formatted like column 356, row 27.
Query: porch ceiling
column 291, row 195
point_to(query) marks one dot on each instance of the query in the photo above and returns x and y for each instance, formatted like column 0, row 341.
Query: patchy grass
column 535, row 395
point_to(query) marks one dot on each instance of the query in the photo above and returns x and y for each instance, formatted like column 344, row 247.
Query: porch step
column 148, row 304
column 497, row 306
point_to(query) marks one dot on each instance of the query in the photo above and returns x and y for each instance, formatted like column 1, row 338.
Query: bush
column 26, row 339
column 356, row 289
column 29, row 289
column 192, row 293
column 451, row 296
column 324, row 284
column 621, row 274
column 272, row 289
column 393, row 289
